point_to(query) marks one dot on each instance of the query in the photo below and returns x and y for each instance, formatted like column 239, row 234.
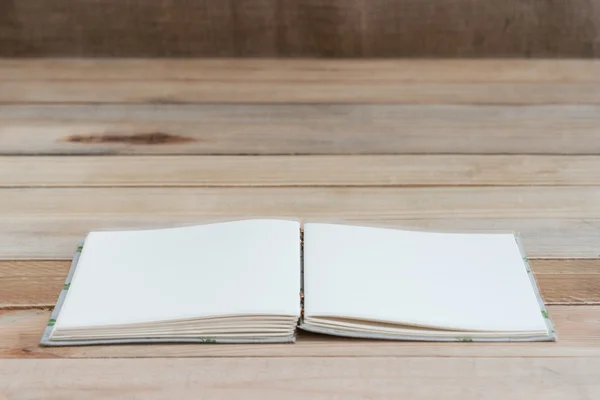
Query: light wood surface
column 553, row 221
column 285, row 171
column 297, row 378
column 30, row 283
column 577, row 327
column 299, row 128
column 168, row 92
column 303, row 70
column 55, row 236
column 483, row 146
column 300, row 81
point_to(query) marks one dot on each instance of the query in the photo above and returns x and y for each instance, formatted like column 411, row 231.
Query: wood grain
column 568, row 281
column 305, row 81
column 284, row 171
column 577, row 288
column 298, row 129
column 488, row 107
column 31, row 283
column 302, row 70
column 295, row 378
column 55, row 237
column 577, row 328
column 301, row 28
column 553, row 221
column 351, row 92
column 560, row 266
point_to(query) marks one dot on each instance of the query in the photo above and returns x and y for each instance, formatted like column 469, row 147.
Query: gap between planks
column 295, row 171
column 577, row 327
column 36, row 284
column 300, row 81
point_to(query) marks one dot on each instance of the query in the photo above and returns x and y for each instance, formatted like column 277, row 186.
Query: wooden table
column 461, row 145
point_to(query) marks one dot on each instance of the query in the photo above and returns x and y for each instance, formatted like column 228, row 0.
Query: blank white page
column 450, row 281
column 230, row 268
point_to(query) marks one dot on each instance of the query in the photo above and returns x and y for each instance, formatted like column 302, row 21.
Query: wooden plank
column 307, row 81
column 30, row 283
column 568, row 281
column 55, row 235
column 575, row 288
column 261, row 171
column 295, row 378
column 559, row 266
column 553, row 221
column 298, row 129
column 577, row 327
column 303, row 70
column 307, row 203
column 306, row 28
column 351, row 92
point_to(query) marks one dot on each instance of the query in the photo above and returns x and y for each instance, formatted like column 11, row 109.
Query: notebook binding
column 301, row 273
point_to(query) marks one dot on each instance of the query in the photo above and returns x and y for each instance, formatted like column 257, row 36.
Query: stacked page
column 227, row 282
column 393, row 284
column 250, row 282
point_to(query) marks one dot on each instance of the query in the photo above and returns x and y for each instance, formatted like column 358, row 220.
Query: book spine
column 301, row 274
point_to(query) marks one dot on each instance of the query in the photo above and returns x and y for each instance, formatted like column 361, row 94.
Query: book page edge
column 48, row 342
column 414, row 338
column 550, row 337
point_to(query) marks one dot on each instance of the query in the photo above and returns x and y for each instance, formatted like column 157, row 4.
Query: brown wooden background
column 302, row 28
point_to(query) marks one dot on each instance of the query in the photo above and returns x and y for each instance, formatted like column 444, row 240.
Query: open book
column 259, row 281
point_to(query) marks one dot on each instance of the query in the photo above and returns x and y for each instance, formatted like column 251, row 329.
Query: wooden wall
column 300, row 28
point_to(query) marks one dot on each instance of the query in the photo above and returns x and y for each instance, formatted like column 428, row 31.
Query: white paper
column 232, row 268
column 449, row 281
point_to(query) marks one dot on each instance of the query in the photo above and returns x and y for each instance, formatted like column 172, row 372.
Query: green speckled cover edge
column 544, row 311
column 551, row 337
column 45, row 341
